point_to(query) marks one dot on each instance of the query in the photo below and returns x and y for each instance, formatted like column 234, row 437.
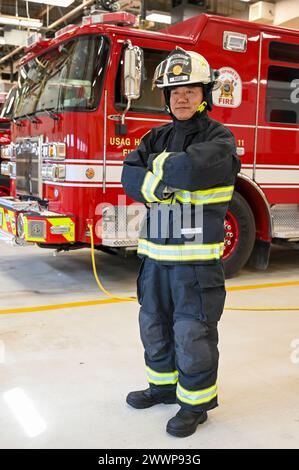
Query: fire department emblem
column 228, row 94
column 177, row 70
column 227, row 89
column 90, row 173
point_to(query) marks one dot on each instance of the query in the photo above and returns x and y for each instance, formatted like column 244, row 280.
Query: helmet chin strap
column 200, row 109
column 202, row 106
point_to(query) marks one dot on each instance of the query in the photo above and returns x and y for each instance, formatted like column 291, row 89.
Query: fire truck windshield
column 67, row 78
column 8, row 108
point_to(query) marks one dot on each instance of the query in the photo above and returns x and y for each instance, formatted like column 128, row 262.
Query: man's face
column 184, row 101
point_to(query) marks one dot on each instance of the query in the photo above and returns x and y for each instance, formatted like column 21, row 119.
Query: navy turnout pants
column 180, row 308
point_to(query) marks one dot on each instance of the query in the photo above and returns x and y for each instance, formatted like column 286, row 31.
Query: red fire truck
column 80, row 111
column 4, row 140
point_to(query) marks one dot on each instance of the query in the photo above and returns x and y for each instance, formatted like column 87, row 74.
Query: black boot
column 147, row 398
column 185, row 422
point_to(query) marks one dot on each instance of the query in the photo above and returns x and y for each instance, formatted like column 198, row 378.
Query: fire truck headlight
column 45, row 150
column 53, row 172
column 6, row 169
column 55, row 151
column 61, row 150
column 13, row 152
column 47, row 171
column 44, row 171
column 6, row 152
column 58, row 172
column 21, row 226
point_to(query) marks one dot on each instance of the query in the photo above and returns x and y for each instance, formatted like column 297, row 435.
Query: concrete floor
column 76, row 365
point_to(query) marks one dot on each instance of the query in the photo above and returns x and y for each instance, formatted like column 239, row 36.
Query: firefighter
column 186, row 171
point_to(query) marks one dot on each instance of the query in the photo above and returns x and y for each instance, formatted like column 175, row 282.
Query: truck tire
column 239, row 227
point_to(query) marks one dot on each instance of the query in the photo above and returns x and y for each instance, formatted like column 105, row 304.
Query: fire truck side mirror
column 132, row 72
column 132, row 76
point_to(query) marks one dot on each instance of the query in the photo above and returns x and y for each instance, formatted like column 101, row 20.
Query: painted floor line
column 263, row 286
column 39, row 308
column 88, row 303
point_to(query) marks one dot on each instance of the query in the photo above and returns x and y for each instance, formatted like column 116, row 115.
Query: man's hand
column 168, row 192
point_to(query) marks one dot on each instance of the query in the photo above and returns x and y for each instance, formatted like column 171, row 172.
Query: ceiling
column 54, row 18
column 36, row 10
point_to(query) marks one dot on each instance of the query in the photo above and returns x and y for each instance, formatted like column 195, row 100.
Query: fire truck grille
column 28, row 168
column 121, row 227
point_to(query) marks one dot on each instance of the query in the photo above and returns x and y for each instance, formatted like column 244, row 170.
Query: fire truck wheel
column 239, row 238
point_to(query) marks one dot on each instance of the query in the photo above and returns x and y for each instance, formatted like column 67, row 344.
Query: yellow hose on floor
column 102, row 288
column 133, row 299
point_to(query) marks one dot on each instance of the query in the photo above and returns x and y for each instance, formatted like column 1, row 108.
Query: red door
column 277, row 151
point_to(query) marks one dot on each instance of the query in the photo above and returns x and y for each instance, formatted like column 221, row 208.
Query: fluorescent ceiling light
column 20, row 21
column 159, row 18
column 56, row 3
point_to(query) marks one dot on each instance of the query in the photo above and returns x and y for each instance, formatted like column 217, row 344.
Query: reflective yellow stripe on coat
column 180, row 252
column 158, row 164
column 149, row 186
column 152, row 179
column 207, row 196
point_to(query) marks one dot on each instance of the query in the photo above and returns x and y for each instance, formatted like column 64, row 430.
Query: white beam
column 287, row 13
